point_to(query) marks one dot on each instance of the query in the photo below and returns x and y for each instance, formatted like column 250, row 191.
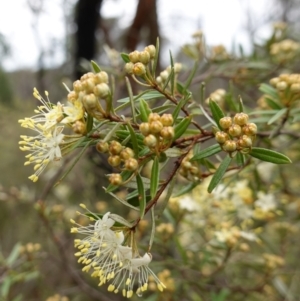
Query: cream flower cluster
column 103, row 251
column 48, row 123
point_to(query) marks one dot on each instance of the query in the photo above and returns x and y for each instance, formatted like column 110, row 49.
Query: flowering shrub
column 200, row 172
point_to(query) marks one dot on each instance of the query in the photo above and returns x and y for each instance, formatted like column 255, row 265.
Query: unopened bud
column 164, row 75
column 155, row 127
column 102, row 90
column 131, row 164
column 274, row 81
column 129, row 67
column 144, row 57
column 150, row 141
column 114, row 161
column 72, row 96
column 145, row 128
column 115, row 179
column 102, row 147
column 244, row 142
column 79, row 127
column 235, row 130
column 115, row 147
column 250, row 129
column 225, row 122
column 295, row 87
column 151, row 50
column 88, row 85
column 101, row 77
column 241, row 118
column 134, row 56
column 126, row 153
column 167, row 119
column 229, row 146
column 139, row 69
column 77, row 85
column 167, row 132
column 221, row 137
column 281, row 86
column 153, row 117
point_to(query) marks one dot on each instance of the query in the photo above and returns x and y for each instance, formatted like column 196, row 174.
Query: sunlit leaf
column 207, row 152
column 125, row 57
column 181, row 127
column 277, row 115
column 96, row 67
column 216, row 111
column 269, row 155
column 154, row 177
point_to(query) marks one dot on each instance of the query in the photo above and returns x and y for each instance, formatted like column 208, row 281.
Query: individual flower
column 44, row 148
column 265, row 202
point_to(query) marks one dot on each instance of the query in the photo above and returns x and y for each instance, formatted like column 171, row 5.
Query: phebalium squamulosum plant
column 201, row 164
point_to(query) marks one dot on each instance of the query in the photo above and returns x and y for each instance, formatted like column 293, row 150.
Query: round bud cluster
column 189, row 169
column 285, row 50
column 287, row 86
column 139, row 60
column 118, row 154
column 164, row 75
column 219, row 53
column 89, row 90
column 237, row 134
column 158, row 131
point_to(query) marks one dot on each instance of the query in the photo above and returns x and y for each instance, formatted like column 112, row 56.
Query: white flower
column 266, row 202
column 44, row 148
column 189, row 204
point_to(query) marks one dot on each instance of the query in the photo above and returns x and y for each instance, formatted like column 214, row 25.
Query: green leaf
column 125, row 57
column 268, row 155
column 240, row 159
column 144, row 110
column 123, row 201
column 181, row 127
column 152, row 235
column 217, row 177
column 5, row 286
column 163, row 204
column 154, row 177
column 148, row 94
column 216, row 111
column 142, row 195
column 96, row 67
column 207, row 152
column 131, row 99
column 89, row 123
column 155, row 60
column 172, row 74
column 191, row 76
column 119, row 219
column 14, row 254
column 241, row 105
column 273, row 104
column 269, row 90
column 277, row 115
column 180, row 105
column 134, row 140
column 111, row 133
column 187, row 188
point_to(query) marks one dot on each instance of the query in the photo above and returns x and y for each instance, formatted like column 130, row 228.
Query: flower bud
column 164, row 75
column 115, row 147
column 139, row 69
column 244, row 142
column 241, row 118
column 126, row 153
column 225, row 122
column 102, row 147
column 155, row 127
column 153, row 117
column 131, row 164
column 79, row 127
column 151, row 50
column 101, row 77
column 90, row 102
column 144, row 57
column 177, row 67
column 167, row 132
column 274, row 81
column 229, row 146
column 167, row 119
column 186, row 165
column 114, row 161
column 115, row 179
column 77, row 85
column 102, row 90
column 221, row 137
column 295, row 87
column 194, row 170
column 88, row 85
column 250, row 129
column 281, row 86
column 129, row 67
column 145, row 128
column 72, row 96
column 150, row 141
column 235, row 130
column 134, row 56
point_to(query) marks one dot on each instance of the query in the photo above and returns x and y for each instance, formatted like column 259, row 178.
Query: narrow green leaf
column 269, row 90
column 14, row 254
column 96, row 67
column 172, row 75
column 155, row 60
column 207, row 152
column 132, row 106
column 5, row 286
column 142, row 195
column 273, row 104
column 216, row 111
column 152, row 235
column 240, row 159
column 181, row 127
column 217, row 177
column 89, row 123
column 277, row 115
column 191, row 76
column 125, row 57
column 268, row 155
column 144, row 110
column 180, row 105
column 119, row 219
column 163, row 204
column 134, row 140
column 241, row 105
column 123, row 201
column 154, row 177
column 112, row 132
column 147, row 94
column 187, row 188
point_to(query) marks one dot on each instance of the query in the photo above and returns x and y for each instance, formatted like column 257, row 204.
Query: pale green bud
column 241, row 118
column 134, row 56
column 102, row 90
column 151, row 50
column 139, row 69
column 225, row 122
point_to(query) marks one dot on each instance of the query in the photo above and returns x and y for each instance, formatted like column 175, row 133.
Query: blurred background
column 45, row 43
